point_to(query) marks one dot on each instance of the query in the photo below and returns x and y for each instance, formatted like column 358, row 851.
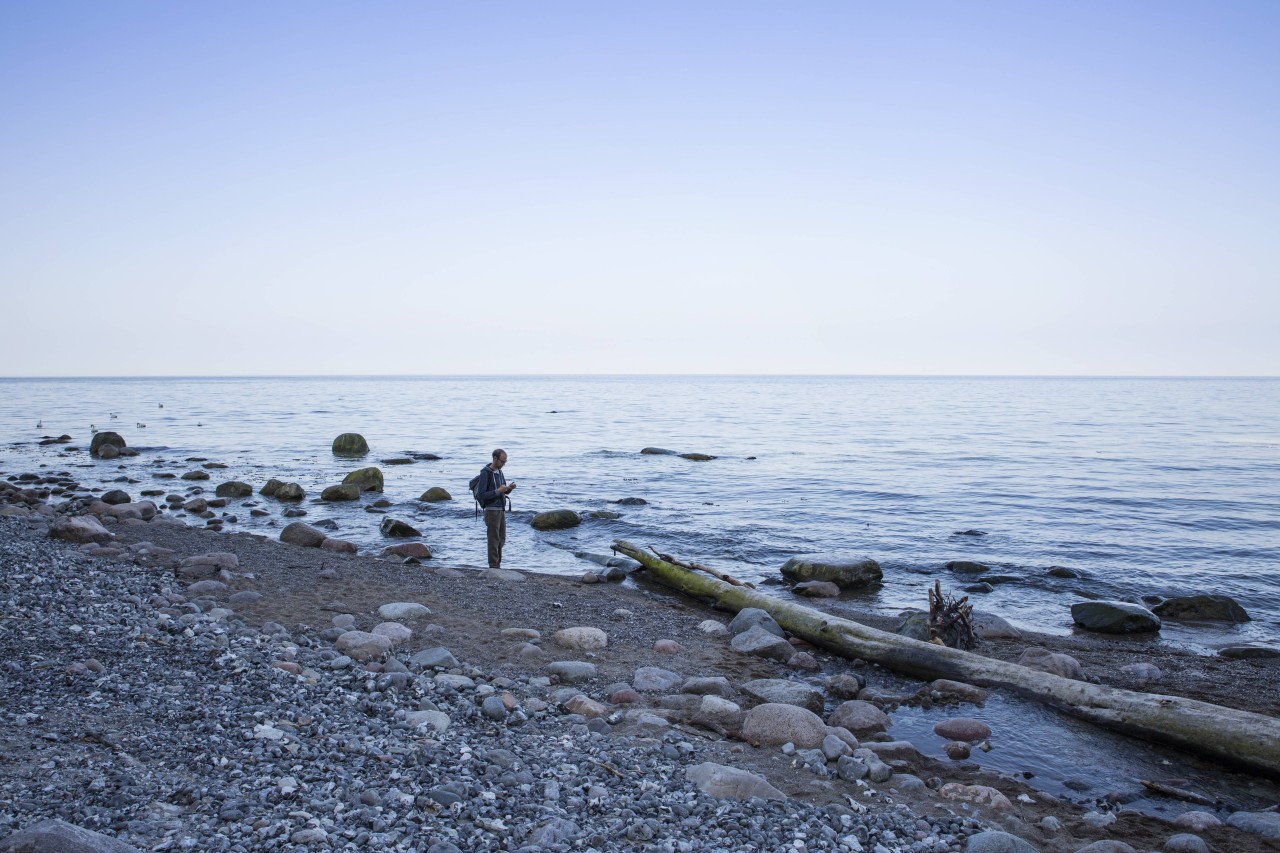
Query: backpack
column 474, row 486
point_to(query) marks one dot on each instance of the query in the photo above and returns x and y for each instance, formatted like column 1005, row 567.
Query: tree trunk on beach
column 1226, row 734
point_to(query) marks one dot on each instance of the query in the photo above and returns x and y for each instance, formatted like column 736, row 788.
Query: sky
column 1044, row 188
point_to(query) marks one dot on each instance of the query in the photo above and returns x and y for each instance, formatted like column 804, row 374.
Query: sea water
column 1147, row 487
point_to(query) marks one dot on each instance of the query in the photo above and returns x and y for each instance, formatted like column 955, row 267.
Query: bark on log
column 1232, row 736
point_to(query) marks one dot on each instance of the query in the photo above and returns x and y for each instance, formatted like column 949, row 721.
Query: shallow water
column 1148, row 486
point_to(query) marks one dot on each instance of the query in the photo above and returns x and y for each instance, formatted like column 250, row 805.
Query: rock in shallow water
column 1114, row 617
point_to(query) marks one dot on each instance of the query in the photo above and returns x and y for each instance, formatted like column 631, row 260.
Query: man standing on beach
column 492, row 494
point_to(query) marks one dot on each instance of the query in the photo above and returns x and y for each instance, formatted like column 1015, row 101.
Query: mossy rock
column 366, row 479
column 289, row 492
column 233, row 489
column 106, row 438
column 846, row 574
column 556, row 519
column 343, row 492
column 435, row 493
column 350, row 444
column 269, row 490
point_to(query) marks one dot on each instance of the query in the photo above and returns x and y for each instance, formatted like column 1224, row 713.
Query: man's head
column 499, row 458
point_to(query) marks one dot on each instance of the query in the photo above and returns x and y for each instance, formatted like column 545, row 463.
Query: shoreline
column 470, row 610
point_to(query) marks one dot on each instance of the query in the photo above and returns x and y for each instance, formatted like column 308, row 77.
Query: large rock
column 773, row 724
column 556, row 519
column 1114, row 617
column 350, row 444
column 724, row 782
column 1266, row 824
column 344, row 492
column 270, row 488
column 817, row 589
column 572, row 671
column 396, row 528
column 116, row 497
column 417, row 550
column 994, row 841
column 846, row 574
column 1043, row 660
column 655, row 679
column 1197, row 608
column 363, row 645
column 300, row 533
column 434, row 494
column 79, row 529
column 367, row 479
column 859, row 717
column 106, row 439
column 657, row 451
column 582, row 638
column 988, row 626
column 750, row 617
column 398, row 611
column 55, row 836
column 962, row 728
column 289, row 492
column 779, row 691
column 759, row 642
column 233, row 489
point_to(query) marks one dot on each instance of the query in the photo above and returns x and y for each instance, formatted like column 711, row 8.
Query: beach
column 224, row 716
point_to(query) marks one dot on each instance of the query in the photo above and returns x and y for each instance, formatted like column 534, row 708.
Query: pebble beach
column 173, row 687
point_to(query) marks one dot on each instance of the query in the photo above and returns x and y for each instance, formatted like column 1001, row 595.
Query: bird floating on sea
column 39, row 424
column 162, row 405
column 113, row 414
column 142, row 426
column 93, row 428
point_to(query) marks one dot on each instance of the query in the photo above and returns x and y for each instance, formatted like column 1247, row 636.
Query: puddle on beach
column 1076, row 760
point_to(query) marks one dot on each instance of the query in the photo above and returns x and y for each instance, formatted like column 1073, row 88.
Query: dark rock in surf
column 1063, row 572
column 556, row 519
column 367, row 479
column 1191, row 608
column 196, row 475
column 343, row 492
column 969, row 533
column 1248, row 652
column 116, row 496
column 697, row 457
column 106, row 439
column 269, row 490
column 290, row 492
column 846, row 574
column 658, row 451
column 434, row 494
column 967, row 567
column 631, row 502
column 397, row 528
column 350, row 444
column 1114, row 617
column 398, row 460
column 233, row 489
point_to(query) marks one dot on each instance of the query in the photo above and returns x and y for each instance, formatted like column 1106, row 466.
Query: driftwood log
column 1234, row 737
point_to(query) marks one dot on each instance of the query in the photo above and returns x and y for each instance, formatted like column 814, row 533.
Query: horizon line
column 160, row 376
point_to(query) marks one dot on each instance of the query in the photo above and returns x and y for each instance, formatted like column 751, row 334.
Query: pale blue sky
column 316, row 187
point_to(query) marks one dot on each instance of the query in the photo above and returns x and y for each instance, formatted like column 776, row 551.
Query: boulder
column 437, row 656
column 300, row 533
column 773, row 724
column 556, row 519
column 1248, row 652
column 1194, row 608
column 780, row 691
column 289, row 492
column 106, row 439
column 416, row 550
column 655, row 679
column 56, row 836
column 108, row 451
column 344, row 492
column 233, row 489
column 116, row 496
column 719, row 780
column 398, row 611
column 1114, row 617
column 816, row 589
column 1043, row 660
column 1266, row 824
column 962, row 729
column 339, row 546
column 582, row 638
column 572, row 671
column 363, row 645
column 968, row 567
column 80, row 529
column 434, row 494
column 718, row 713
column 367, row 479
column 861, row 718
column 988, row 626
column 270, row 487
column 994, row 841
column 846, row 574
column 759, row 642
column 196, row 475
column 350, row 444
column 697, row 457
column 394, row 527
column 713, row 685
column 750, row 617
column 657, row 451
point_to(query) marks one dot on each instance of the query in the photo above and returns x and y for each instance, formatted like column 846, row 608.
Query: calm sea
column 1147, row 486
